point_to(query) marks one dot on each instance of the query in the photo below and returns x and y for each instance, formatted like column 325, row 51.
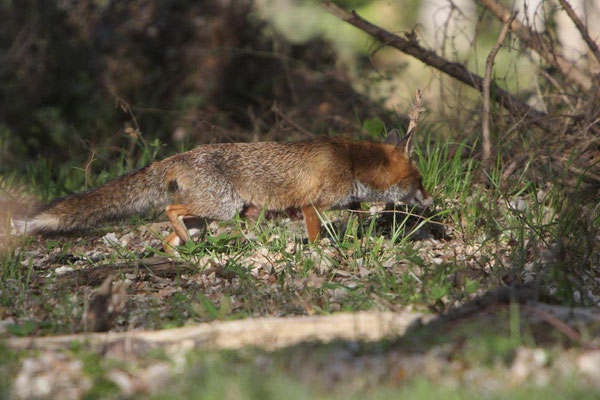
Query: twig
column 417, row 108
column 88, row 166
column 91, row 276
column 278, row 112
column 584, row 173
column 555, row 322
column 582, row 28
column 541, row 46
column 489, row 63
column 124, row 105
column 559, row 89
column 416, row 111
column 516, row 161
column 410, row 46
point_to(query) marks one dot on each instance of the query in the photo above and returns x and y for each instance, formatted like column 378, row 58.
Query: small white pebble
column 63, row 270
column 110, row 239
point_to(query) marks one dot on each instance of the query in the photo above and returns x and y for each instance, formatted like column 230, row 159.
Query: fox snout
column 418, row 196
column 422, row 198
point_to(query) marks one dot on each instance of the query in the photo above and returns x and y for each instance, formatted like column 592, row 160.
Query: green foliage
column 375, row 127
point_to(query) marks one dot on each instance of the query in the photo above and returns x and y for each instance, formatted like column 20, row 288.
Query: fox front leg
column 312, row 222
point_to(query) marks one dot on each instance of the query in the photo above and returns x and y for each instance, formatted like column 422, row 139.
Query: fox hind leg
column 170, row 242
column 185, row 224
column 180, row 234
column 194, row 226
column 174, row 211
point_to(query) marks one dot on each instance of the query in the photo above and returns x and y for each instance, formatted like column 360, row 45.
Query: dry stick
column 410, row 46
column 278, row 112
column 88, row 167
column 541, row 46
column 269, row 332
column 582, row 28
column 91, row 276
column 559, row 89
column 555, row 322
column 414, row 119
column 415, row 112
column 489, row 63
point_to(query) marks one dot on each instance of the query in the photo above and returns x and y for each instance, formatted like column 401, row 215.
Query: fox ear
column 393, row 137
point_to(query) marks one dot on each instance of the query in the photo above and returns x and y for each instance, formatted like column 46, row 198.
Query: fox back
column 324, row 172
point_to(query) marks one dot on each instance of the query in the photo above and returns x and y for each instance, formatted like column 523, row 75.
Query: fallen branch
column 410, row 46
column 274, row 332
column 269, row 333
column 93, row 276
column 540, row 45
column 489, row 63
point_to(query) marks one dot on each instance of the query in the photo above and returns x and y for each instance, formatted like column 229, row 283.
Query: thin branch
column 554, row 322
column 278, row 113
column 559, row 89
column 582, row 28
column 541, row 46
column 91, row 276
column 88, row 166
column 416, row 111
column 489, row 63
column 410, row 46
column 414, row 120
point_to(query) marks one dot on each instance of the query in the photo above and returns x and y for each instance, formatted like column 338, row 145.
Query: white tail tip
column 23, row 227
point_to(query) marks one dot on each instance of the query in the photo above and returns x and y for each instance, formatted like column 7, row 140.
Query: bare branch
column 541, row 46
column 582, row 28
column 410, row 46
column 270, row 332
column 489, row 63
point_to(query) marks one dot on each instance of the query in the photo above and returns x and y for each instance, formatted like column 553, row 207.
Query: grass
column 486, row 231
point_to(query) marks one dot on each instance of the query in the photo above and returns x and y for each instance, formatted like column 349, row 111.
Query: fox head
column 390, row 175
column 408, row 187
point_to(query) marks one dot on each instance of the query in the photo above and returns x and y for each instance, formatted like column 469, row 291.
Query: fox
column 218, row 181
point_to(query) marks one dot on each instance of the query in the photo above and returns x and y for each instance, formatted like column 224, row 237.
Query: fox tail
column 132, row 193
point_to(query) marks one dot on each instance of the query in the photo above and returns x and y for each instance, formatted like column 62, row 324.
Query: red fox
column 217, row 181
